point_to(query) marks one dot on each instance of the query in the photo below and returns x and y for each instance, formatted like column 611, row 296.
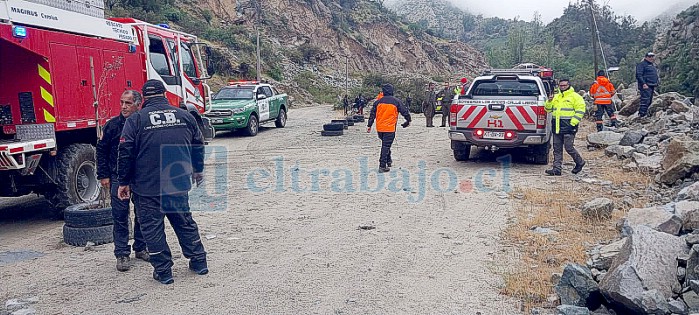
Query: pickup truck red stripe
column 468, row 112
column 478, row 118
column 514, row 119
column 525, row 114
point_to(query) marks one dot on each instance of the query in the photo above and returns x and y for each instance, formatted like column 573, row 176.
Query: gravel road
column 296, row 223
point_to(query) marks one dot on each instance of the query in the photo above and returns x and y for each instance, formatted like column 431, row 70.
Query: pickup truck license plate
column 216, row 121
column 494, row 135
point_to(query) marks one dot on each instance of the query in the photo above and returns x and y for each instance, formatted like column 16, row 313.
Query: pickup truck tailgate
column 519, row 115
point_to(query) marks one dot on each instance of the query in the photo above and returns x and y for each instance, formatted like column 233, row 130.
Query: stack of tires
column 358, row 118
column 333, row 129
column 88, row 222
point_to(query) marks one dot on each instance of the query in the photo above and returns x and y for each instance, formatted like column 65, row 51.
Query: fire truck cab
column 63, row 68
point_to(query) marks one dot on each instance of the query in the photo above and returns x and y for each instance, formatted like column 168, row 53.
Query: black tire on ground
column 540, row 153
column 81, row 216
column 281, row 119
column 339, row 121
column 358, row 117
column 350, row 123
column 333, row 127
column 76, row 178
column 326, row 133
column 80, row 236
column 253, row 126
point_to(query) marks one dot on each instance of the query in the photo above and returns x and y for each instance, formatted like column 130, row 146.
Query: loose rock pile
column 654, row 268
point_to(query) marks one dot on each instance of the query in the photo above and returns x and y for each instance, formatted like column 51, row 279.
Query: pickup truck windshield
column 505, row 88
column 237, row 93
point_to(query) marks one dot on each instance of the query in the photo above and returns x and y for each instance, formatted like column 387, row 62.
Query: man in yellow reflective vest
column 568, row 109
column 603, row 90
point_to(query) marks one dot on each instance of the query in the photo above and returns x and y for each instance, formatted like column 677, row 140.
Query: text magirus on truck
column 62, row 72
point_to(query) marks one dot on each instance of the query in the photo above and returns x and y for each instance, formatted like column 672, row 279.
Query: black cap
column 153, row 87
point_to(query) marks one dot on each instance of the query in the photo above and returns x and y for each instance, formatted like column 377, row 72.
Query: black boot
column 553, row 172
column 578, row 167
column 599, row 127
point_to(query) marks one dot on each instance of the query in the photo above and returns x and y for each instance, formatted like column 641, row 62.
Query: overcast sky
column 641, row 9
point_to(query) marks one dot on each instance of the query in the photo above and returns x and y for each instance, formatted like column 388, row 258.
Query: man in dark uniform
column 107, row 153
column 168, row 137
column 447, row 96
column 429, row 103
column 647, row 78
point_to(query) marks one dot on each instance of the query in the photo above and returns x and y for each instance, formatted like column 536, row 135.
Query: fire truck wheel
column 281, row 119
column 540, row 154
column 87, row 215
column 76, row 179
column 80, row 236
column 253, row 126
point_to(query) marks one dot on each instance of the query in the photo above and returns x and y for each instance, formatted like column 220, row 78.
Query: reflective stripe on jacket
column 567, row 108
column 602, row 90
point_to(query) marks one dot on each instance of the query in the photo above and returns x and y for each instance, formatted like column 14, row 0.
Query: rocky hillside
column 678, row 53
column 307, row 43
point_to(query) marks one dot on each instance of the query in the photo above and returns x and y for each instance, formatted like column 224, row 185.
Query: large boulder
column 631, row 105
column 648, row 163
column 578, row 287
column 692, row 271
column 664, row 101
column 599, row 208
column 688, row 212
column 604, row 138
column 679, row 107
column 623, row 152
column 690, row 192
column 646, row 262
column 656, row 218
column 601, row 257
column 572, row 310
column 681, row 161
column 632, row 137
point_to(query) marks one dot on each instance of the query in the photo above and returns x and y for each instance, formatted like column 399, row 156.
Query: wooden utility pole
column 346, row 73
column 593, row 27
column 259, row 66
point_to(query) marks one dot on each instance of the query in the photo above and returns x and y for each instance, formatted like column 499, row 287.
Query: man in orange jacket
column 385, row 111
column 603, row 90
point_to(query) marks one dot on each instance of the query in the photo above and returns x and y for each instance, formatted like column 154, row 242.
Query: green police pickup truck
column 247, row 104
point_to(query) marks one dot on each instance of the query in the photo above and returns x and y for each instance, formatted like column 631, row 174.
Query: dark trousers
column 152, row 212
column 646, row 100
column 386, row 142
column 601, row 109
column 120, row 214
column 566, row 141
column 445, row 114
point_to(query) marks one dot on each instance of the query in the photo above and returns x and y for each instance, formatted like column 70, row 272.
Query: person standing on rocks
column 107, row 156
column 647, row 78
column 603, row 91
column 161, row 152
column 429, row 104
column 568, row 109
column 385, row 111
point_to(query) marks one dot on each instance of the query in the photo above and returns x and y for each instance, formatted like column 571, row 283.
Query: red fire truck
column 63, row 68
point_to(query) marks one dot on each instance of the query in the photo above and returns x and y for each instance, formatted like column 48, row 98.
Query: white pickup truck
column 504, row 108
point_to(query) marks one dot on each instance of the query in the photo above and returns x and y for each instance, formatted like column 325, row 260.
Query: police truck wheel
column 76, row 177
column 80, row 236
column 540, row 153
column 281, row 119
column 253, row 126
column 327, row 133
column 333, row 127
column 87, row 215
column 462, row 154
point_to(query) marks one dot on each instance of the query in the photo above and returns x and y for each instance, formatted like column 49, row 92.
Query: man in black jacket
column 647, row 78
column 161, row 151
column 107, row 152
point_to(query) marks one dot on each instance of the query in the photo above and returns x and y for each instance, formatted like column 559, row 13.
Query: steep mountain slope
column 308, row 43
column 678, row 54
